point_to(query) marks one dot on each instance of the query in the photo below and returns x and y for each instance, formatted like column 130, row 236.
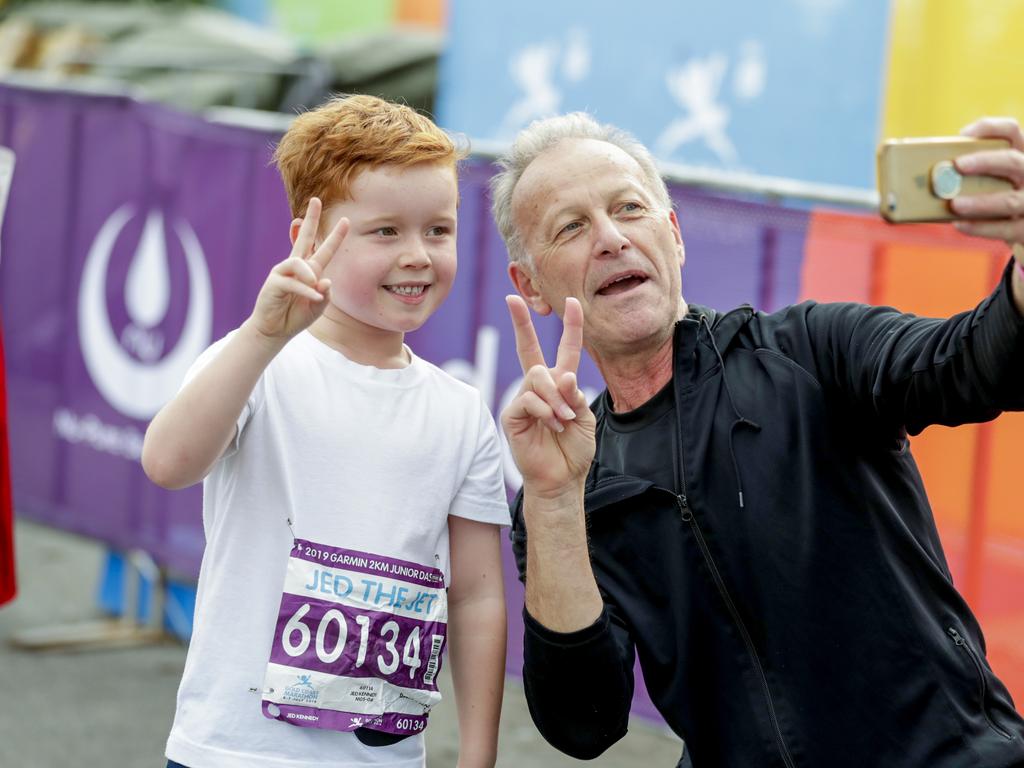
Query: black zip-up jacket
column 791, row 605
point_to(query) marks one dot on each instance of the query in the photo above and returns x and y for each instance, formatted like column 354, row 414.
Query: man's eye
column 572, row 226
column 630, row 207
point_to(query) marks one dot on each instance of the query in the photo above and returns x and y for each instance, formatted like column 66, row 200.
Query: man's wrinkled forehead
column 572, row 171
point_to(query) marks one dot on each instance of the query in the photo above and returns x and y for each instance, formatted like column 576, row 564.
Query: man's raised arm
column 578, row 662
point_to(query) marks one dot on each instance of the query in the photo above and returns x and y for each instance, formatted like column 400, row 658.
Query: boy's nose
column 415, row 256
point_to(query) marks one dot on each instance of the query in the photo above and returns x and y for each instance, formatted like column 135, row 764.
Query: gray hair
column 542, row 135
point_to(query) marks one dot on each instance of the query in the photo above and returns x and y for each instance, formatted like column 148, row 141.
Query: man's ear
column 678, row 236
column 293, row 230
column 524, row 282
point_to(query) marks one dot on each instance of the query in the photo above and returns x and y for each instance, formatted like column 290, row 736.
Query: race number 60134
column 297, row 637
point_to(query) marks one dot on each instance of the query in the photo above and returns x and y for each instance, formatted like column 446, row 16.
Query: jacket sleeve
column 578, row 685
column 911, row 372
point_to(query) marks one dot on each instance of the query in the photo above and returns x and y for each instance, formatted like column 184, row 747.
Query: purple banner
column 152, row 231
column 135, row 235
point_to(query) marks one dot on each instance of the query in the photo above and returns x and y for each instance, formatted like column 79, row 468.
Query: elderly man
column 740, row 507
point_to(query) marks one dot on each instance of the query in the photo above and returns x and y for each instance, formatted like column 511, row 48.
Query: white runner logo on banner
column 139, row 385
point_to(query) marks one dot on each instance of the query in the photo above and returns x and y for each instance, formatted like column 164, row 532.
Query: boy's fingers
column 286, row 286
column 297, row 268
column 307, row 232
column 323, row 255
column 527, row 345
column 571, row 344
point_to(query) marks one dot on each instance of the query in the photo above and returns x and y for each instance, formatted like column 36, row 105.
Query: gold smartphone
column 917, row 178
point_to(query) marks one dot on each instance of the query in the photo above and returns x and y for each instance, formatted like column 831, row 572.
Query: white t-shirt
column 358, row 457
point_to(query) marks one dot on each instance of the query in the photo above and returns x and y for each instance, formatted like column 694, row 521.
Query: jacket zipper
column 688, row 517
column 982, row 685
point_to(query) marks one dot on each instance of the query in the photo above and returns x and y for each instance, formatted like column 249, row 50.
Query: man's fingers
column 323, row 255
column 527, row 345
column 540, row 381
column 528, row 405
column 1010, row 230
column 307, row 232
column 571, row 344
column 1005, row 163
column 996, row 128
column 995, row 205
column 568, row 387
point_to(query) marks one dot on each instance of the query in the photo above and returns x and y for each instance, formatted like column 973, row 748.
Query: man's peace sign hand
column 295, row 292
column 549, row 425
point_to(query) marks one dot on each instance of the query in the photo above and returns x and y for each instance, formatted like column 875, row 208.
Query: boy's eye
column 438, row 231
column 386, row 231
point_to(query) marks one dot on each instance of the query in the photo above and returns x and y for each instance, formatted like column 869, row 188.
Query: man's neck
column 634, row 380
column 635, row 376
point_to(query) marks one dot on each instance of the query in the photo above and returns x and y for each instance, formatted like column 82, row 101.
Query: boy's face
column 397, row 263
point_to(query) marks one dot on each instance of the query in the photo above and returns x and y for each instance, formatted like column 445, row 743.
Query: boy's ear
column 293, row 230
column 524, row 282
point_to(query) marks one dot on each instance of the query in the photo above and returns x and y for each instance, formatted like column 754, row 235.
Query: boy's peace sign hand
column 549, row 425
column 295, row 292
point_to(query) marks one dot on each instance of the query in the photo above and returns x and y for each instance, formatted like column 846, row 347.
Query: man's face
column 397, row 263
column 595, row 231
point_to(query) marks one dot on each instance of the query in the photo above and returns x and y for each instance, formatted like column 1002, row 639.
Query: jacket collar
column 725, row 326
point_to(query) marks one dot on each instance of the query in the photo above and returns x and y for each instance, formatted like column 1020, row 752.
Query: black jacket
column 793, row 606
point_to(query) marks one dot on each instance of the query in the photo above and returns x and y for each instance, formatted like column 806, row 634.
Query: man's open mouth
column 621, row 283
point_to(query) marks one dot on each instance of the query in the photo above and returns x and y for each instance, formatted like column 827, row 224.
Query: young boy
column 352, row 492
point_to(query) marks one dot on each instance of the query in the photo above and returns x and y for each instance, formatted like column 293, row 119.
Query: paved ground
column 113, row 708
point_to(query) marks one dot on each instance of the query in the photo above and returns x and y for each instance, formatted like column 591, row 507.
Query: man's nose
column 608, row 238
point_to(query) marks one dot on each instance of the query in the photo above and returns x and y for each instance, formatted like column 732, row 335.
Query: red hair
column 325, row 149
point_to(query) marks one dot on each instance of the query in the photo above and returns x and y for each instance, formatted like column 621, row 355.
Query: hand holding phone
column 918, row 177
column 999, row 216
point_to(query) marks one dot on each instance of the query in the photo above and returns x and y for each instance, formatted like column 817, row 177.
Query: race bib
column 358, row 642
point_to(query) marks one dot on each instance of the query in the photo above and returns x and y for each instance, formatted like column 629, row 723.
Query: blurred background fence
column 144, row 215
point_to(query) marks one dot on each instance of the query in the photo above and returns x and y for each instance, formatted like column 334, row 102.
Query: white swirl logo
column 139, row 389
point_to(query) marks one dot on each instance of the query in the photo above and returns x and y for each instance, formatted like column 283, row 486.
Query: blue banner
column 788, row 88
